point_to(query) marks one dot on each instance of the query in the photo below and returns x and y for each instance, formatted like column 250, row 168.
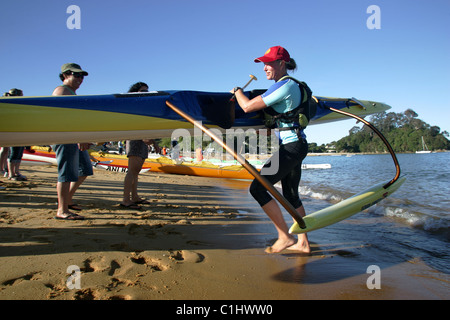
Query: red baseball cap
column 273, row 54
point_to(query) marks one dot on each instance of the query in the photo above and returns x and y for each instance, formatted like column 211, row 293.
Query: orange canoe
column 119, row 163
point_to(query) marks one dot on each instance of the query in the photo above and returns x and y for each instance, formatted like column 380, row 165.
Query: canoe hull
column 68, row 119
column 119, row 163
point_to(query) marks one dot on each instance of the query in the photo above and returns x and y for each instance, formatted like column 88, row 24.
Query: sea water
column 411, row 223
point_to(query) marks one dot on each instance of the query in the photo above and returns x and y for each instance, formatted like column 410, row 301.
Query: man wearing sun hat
column 72, row 77
column 72, row 67
column 74, row 164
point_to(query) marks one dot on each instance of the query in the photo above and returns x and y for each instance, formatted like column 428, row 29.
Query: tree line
column 404, row 132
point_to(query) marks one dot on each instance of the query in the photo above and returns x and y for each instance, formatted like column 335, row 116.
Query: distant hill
column 404, row 131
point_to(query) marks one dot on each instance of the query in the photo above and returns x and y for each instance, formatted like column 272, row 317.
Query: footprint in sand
column 56, row 290
column 153, row 265
column 100, row 264
column 85, row 294
column 186, row 256
column 27, row 277
column 113, row 267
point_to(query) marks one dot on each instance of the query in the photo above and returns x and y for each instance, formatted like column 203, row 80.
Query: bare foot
column 280, row 245
column 301, row 246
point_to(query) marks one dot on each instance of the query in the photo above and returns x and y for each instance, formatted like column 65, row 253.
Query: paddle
column 290, row 209
column 252, row 77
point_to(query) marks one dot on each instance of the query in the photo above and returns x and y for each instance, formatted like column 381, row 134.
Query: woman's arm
column 248, row 105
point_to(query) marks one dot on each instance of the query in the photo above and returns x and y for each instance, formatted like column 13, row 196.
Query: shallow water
column 411, row 223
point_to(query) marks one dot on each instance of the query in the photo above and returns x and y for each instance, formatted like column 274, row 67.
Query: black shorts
column 290, row 157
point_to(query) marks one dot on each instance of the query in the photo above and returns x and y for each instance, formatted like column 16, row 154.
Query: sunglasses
column 77, row 75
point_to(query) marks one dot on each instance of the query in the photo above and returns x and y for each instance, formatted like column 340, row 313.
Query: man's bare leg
column 73, row 188
column 62, row 189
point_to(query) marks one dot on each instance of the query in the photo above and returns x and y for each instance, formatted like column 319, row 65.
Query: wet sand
column 199, row 238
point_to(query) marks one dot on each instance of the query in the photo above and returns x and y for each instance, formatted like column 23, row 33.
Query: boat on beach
column 119, row 163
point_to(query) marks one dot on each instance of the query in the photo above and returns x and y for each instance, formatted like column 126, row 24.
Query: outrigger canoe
column 69, row 119
column 94, row 118
column 119, row 163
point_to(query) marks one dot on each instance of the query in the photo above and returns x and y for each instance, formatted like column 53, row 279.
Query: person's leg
column 62, row 190
column 290, row 184
column 4, row 160
column 18, row 162
column 130, row 182
column 84, row 170
column 137, row 167
column 269, row 205
column 127, row 185
column 73, row 188
column 11, row 169
column 284, row 240
column 13, row 162
column 68, row 163
column 289, row 158
column 302, row 244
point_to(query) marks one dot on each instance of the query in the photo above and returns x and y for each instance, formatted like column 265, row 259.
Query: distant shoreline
column 364, row 153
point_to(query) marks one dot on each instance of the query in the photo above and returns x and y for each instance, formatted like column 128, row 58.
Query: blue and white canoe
column 67, row 119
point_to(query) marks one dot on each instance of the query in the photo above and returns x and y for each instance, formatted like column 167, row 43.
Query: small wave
column 404, row 211
column 418, row 220
column 321, row 192
column 401, row 210
column 321, row 195
column 325, row 194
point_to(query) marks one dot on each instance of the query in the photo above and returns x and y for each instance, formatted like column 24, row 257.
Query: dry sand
column 200, row 238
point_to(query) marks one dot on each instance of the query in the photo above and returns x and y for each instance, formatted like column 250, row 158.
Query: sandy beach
column 199, row 238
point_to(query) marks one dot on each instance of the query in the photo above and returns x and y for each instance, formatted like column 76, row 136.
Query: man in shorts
column 74, row 164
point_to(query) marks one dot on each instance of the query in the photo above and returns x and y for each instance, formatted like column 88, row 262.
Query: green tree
column 404, row 131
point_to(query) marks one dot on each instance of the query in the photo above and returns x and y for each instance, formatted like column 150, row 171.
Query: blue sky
column 210, row 46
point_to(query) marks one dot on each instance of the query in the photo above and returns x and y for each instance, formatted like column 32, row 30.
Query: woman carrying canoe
column 283, row 96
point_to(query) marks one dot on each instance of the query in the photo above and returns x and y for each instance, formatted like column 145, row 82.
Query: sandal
column 17, row 178
column 142, row 201
column 130, row 206
column 70, row 216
